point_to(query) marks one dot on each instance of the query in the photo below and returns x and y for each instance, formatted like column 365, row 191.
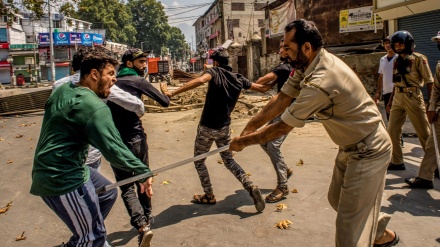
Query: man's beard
column 283, row 59
column 301, row 62
column 139, row 71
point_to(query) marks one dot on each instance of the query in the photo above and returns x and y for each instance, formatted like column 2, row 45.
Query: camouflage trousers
column 204, row 139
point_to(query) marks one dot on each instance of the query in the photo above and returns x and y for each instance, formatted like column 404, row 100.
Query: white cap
column 435, row 38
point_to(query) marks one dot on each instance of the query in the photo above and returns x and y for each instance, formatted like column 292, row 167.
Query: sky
column 183, row 14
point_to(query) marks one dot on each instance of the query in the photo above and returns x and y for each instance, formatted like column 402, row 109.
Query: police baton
column 108, row 187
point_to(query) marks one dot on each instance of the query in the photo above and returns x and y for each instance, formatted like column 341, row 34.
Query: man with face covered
column 326, row 87
column 429, row 162
column 74, row 117
column 278, row 77
column 131, row 79
column 411, row 73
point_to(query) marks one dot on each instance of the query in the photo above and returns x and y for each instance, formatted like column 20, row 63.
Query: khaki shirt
column 435, row 94
column 331, row 90
column 420, row 72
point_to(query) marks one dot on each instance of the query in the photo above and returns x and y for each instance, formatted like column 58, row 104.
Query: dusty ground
column 233, row 220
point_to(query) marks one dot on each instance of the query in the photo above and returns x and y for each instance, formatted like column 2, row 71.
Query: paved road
column 233, row 220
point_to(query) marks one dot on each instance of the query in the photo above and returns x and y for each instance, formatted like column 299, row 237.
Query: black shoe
column 259, row 202
column 419, row 183
column 396, row 167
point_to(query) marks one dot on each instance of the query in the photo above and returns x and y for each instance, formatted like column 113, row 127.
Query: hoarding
column 67, row 38
column 359, row 19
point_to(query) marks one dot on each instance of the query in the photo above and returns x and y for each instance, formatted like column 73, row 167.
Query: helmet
column 403, row 37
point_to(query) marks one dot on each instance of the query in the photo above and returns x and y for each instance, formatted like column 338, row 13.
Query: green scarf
column 126, row 72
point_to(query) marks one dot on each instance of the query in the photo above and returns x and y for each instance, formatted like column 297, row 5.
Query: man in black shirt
column 131, row 79
column 278, row 77
column 224, row 87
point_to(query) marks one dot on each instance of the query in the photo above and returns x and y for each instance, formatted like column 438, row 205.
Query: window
column 15, row 19
column 259, row 6
column 4, row 18
column 260, row 23
column 237, row 7
column 234, row 22
column 56, row 24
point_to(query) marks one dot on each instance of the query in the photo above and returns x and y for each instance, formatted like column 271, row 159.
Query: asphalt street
column 233, row 221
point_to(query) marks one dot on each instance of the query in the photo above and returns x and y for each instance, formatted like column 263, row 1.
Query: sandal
column 204, row 199
column 277, row 195
column 391, row 243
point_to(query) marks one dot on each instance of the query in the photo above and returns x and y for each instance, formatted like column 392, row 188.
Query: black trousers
column 138, row 205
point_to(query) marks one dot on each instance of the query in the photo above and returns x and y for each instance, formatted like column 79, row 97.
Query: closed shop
column 423, row 27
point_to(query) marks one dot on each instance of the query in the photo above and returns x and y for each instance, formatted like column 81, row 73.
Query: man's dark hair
column 81, row 53
column 305, row 31
column 221, row 56
column 96, row 60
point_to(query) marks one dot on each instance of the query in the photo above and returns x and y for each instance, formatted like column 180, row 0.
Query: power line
column 186, row 11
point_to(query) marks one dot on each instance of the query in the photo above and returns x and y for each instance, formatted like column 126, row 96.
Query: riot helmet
column 403, row 37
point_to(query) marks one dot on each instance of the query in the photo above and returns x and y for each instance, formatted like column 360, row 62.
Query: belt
column 406, row 89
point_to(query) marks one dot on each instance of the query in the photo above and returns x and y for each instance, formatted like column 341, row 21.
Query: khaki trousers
column 413, row 105
column 356, row 190
column 429, row 161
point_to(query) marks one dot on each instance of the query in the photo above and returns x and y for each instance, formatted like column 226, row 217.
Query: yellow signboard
column 359, row 19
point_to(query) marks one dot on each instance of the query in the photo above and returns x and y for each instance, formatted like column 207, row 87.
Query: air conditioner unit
column 28, row 60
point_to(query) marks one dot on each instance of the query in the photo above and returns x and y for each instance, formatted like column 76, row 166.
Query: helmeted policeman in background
column 425, row 178
column 411, row 72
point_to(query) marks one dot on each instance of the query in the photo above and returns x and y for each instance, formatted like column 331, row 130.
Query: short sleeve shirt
column 282, row 72
column 223, row 91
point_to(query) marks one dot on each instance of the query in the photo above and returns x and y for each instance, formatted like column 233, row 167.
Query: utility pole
column 142, row 46
column 52, row 55
column 35, row 52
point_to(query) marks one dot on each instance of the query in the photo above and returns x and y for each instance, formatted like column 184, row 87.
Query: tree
column 151, row 24
column 111, row 15
column 176, row 42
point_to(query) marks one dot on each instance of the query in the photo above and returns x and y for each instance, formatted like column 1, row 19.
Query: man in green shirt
column 75, row 117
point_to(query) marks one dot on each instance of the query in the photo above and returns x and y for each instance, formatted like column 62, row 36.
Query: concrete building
column 238, row 20
column 9, row 35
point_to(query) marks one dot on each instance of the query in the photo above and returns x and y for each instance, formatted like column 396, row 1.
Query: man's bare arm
column 267, row 78
column 190, row 85
column 275, row 107
column 268, row 133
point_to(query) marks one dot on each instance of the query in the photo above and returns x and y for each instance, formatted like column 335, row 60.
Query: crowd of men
column 97, row 111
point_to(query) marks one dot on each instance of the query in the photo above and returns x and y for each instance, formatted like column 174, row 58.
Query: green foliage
column 112, row 15
column 178, row 47
column 151, row 24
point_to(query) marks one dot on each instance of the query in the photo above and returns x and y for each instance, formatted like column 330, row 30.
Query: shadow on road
column 177, row 213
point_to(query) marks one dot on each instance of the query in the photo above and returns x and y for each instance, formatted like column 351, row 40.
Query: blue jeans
column 83, row 211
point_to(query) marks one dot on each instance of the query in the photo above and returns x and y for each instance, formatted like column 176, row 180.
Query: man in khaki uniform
column 326, row 87
column 429, row 162
column 411, row 72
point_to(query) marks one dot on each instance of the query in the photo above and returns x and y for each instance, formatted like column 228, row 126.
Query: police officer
column 411, row 72
column 326, row 87
column 429, row 162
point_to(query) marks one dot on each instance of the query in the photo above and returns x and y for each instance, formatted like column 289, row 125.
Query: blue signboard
column 67, row 39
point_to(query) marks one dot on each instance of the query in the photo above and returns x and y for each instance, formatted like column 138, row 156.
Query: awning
column 22, row 53
column 4, row 64
column 65, row 64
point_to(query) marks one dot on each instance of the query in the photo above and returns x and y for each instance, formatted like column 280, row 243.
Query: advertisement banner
column 67, row 38
column 61, row 39
column 280, row 16
column 358, row 19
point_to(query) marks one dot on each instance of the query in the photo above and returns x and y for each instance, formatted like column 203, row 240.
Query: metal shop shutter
column 423, row 27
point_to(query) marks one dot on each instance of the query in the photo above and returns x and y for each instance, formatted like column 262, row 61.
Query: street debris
column 294, row 191
column 165, row 182
column 6, row 208
column 300, row 163
column 249, row 174
column 283, row 225
column 19, row 136
column 21, row 237
column 10, row 162
column 2, row 139
column 220, row 161
column 280, row 207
